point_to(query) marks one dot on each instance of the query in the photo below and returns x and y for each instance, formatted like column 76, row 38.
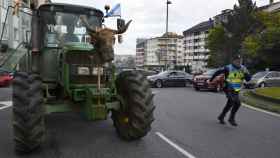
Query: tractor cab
column 66, row 44
column 63, row 26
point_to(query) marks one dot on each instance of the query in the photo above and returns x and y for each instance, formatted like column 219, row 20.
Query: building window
column 197, row 40
column 197, row 33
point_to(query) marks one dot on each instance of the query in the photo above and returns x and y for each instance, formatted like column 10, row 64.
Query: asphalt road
column 187, row 119
column 5, row 94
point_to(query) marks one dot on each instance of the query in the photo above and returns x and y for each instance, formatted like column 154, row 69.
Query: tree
column 264, row 46
column 215, row 44
column 240, row 22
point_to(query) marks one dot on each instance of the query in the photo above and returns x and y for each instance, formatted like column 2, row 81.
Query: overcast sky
column 149, row 16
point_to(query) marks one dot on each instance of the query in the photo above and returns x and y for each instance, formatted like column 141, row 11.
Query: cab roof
column 70, row 8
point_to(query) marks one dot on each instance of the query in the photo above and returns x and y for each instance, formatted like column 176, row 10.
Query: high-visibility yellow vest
column 235, row 78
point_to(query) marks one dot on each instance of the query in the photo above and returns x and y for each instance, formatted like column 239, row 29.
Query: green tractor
column 68, row 67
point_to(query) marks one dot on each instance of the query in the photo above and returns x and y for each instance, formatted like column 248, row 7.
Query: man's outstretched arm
column 219, row 72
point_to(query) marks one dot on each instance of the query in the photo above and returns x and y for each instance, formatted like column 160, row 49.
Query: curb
column 260, row 110
column 259, row 102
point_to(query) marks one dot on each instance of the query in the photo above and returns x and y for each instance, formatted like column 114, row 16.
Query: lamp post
column 167, row 13
column 168, row 2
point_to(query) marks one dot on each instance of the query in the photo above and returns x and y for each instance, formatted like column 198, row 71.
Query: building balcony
column 189, row 38
column 190, row 44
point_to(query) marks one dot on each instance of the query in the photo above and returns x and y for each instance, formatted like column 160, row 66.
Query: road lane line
column 155, row 92
column 177, row 147
column 260, row 110
column 7, row 104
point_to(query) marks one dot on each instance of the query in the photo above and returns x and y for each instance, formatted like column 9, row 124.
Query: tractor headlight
column 83, row 71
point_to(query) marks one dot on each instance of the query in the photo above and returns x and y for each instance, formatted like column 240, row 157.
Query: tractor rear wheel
column 133, row 121
column 28, row 112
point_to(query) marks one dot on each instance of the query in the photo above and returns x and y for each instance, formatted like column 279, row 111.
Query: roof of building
column 224, row 12
column 269, row 5
column 141, row 40
column 171, row 35
column 206, row 25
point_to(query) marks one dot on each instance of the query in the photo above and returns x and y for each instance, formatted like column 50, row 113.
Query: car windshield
column 259, row 74
column 164, row 73
column 63, row 28
column 210, row 72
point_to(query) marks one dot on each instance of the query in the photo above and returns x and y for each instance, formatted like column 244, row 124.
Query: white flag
column 116, row 11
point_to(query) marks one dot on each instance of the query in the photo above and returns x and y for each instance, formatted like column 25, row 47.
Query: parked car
column 170, row 78
column 264, row 79
column 6, row 78
column 146, row 73
column 200, row 81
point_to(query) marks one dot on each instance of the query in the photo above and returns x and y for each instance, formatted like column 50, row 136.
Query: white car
column 264, row 79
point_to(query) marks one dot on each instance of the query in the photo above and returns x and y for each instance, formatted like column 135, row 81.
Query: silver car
column 264, row 79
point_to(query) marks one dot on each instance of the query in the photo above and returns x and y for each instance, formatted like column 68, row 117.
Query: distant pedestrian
column 235, row 74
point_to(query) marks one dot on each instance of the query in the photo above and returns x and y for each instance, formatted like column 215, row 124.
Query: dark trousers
column 233, row 104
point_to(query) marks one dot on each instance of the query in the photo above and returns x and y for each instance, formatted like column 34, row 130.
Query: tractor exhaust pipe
column 35, row 38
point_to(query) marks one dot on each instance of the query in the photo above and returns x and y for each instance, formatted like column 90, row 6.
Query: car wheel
column 262, row 85
column 159, row 84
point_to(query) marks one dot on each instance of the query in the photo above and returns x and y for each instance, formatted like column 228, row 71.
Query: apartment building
column 140, row 52
column 161, row 52
column 170, row 49
column 16, row 27
column 195, row 53
column 271, row 7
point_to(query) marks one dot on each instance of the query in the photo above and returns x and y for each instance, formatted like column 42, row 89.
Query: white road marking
column 260, row 110
column 177, row 147
column 7, row 104
column 155, row 92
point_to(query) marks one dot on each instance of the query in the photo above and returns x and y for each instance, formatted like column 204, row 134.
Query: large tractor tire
column 28, row 112
column 133, row 121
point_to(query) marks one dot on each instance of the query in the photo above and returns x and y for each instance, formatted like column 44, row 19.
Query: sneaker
column 221, row 120
column 232, row 122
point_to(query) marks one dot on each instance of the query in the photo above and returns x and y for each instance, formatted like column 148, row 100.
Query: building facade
column 16, row 27
column 195, row 53
column 170, row 50
column 140, row 52
column 161, row 52
column 271, row 7
column 125, row 61
column 223, row 17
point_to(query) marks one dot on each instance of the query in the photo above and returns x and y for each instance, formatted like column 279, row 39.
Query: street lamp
column 167, row 13
column 166, row 31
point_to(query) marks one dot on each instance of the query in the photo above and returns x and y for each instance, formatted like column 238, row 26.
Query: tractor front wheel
column 28, row 112
column 133, row 121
